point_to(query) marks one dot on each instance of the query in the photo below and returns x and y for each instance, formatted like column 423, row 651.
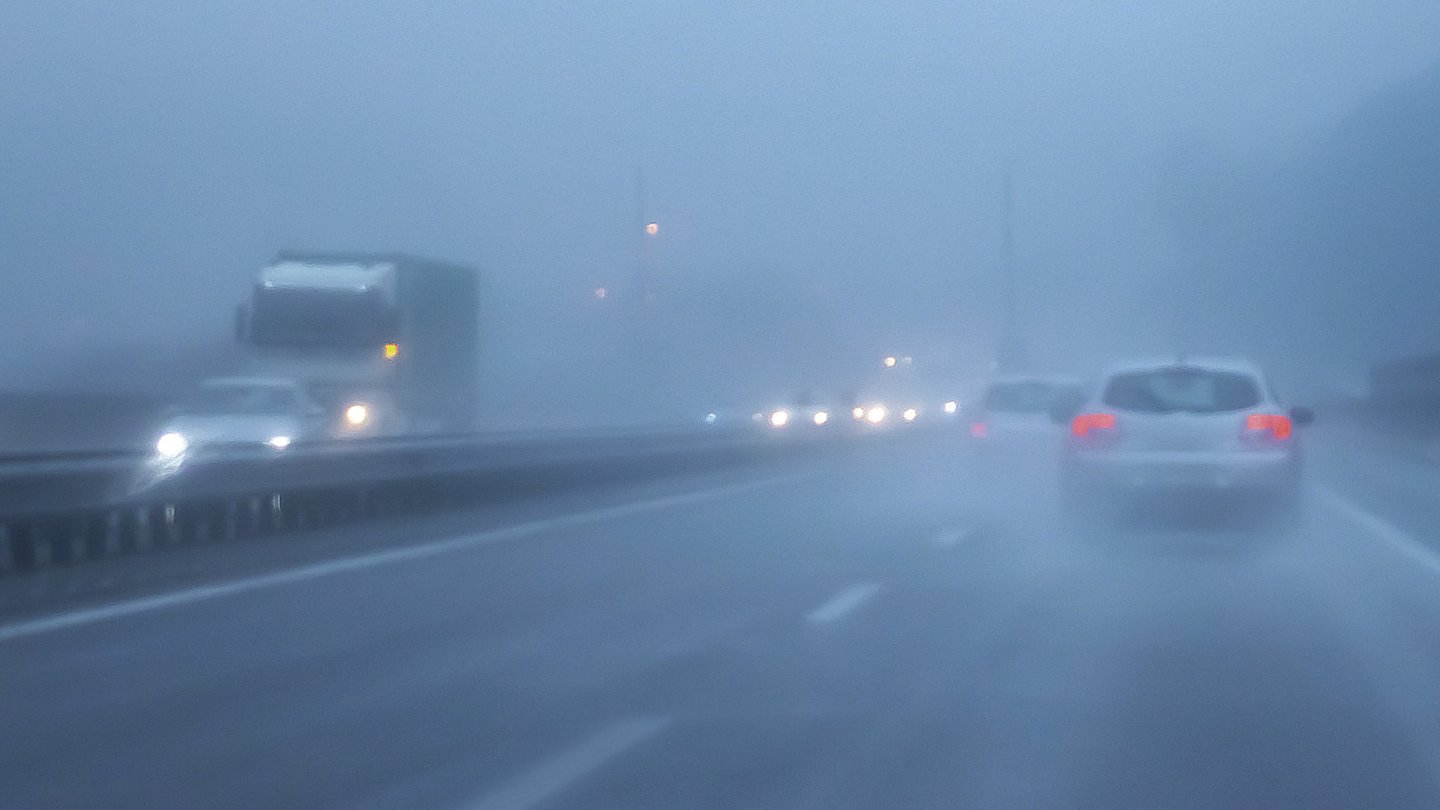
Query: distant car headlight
column 171, row 445
column 857, row 413
column 711, row 418
column 952, row 406
column 357, row 414
column 876, row 414
column 909, row 414
column 780, row 418
column 278, row 442
column 820, row 417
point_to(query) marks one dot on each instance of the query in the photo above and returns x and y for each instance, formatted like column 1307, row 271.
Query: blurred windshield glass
column 730, row 374
column 319, row 319
column 1182, row 389
column 242, row 399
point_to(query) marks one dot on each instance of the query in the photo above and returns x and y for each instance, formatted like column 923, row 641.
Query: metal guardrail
column 70, row 508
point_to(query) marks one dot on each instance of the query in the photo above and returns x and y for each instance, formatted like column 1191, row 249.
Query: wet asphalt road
column 905, row 626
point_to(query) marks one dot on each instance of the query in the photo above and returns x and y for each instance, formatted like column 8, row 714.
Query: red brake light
column 1276, row 424
column 979, row 430
column 1083, row 424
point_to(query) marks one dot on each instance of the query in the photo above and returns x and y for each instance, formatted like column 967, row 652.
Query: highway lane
column 894, row 629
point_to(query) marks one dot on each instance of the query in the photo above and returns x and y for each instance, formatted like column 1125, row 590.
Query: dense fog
column 829, row 181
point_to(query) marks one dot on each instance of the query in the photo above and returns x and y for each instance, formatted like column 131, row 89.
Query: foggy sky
column 841, row 159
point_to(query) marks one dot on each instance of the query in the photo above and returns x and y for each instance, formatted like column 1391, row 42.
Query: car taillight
column 1277, row 425
column 979, row 429
column 1087, row 423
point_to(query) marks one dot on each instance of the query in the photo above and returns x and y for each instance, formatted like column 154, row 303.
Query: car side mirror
column 1302, row 415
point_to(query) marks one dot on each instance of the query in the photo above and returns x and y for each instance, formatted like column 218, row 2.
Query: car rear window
column 1172, row 390
column 1027, row 397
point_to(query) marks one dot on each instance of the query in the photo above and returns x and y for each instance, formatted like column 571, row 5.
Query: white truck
column 387, row 344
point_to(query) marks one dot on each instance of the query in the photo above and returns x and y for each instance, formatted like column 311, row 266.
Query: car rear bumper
column 1160, row 472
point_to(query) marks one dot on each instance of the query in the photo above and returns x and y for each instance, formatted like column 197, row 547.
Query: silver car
column 1016, row 408
column 237, row 413
column 1188, row 427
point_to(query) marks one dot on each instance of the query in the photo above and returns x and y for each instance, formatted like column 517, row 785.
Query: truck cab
column 385, row 343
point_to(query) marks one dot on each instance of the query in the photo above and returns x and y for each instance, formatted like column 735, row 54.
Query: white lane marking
column 1383, row 530
column 843, row 603
column 200, row 593
column 951, row 537
column 549, row 778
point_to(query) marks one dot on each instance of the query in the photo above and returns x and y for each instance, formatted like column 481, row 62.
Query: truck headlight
column 171, row 445
column 357, row 414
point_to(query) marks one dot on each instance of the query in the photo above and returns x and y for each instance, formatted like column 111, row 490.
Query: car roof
column 1238, row 365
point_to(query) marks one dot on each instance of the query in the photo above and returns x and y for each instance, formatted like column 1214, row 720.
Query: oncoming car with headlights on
column 802, row 418
column 240, row 413
column 1188, row 429
column 807, row 412
column 893, row 410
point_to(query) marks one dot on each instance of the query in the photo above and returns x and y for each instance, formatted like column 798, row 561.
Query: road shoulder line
column 551, row 777
column 843, row 603
column 1383, row 530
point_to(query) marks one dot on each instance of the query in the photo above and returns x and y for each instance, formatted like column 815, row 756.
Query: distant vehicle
column 896, row 406
column 388, row 344
column 805, row 411
column 1413, row 382
column 1019, row 407
column 884, row 412
column 1195, row 426
column 241, row 413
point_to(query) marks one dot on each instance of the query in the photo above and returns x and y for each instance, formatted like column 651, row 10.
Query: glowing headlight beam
column 171, row 445
column 780, row 418
column 357, row 414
